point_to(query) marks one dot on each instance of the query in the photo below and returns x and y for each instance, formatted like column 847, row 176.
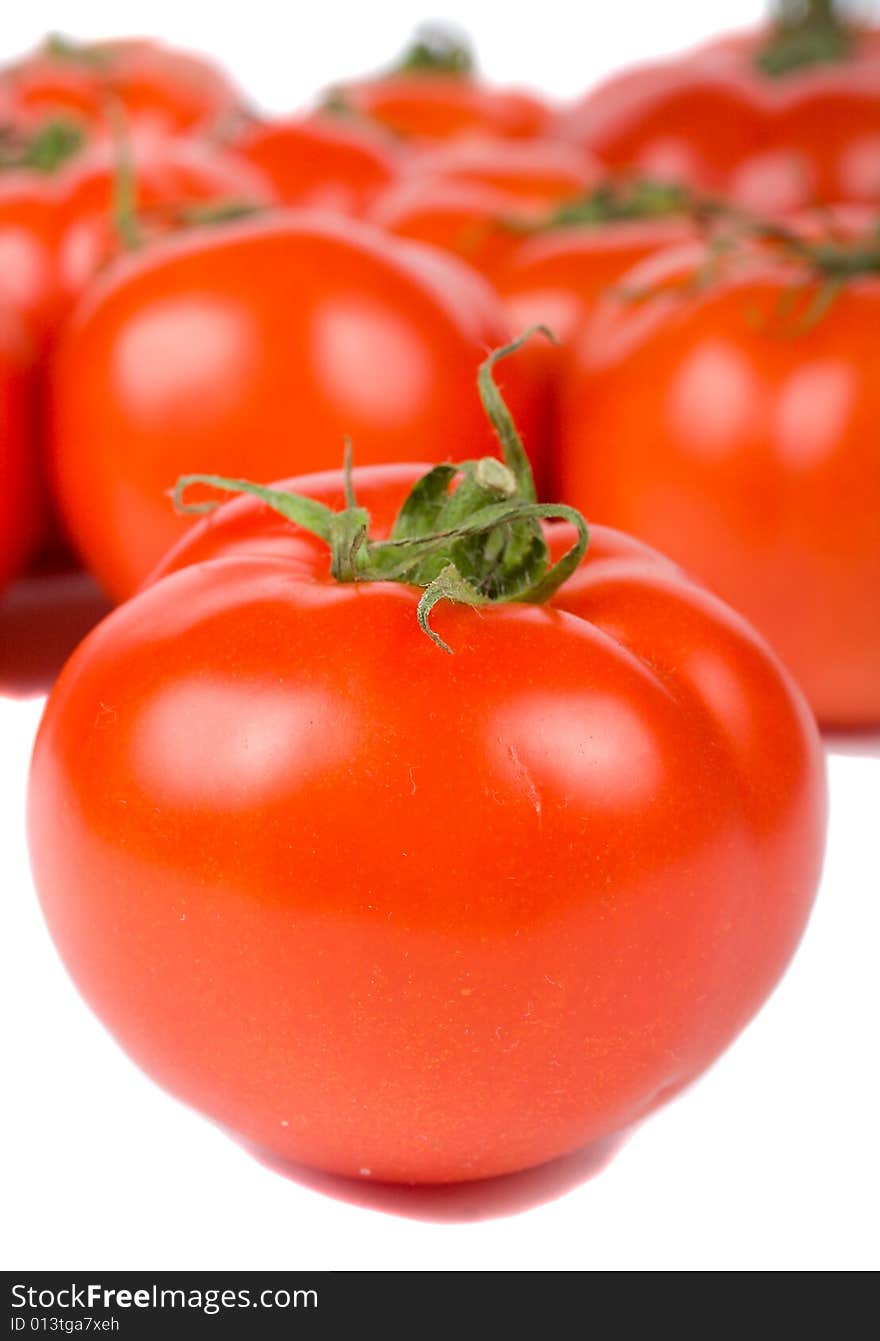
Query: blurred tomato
column 433, row 93
column 476, row 198
column 254, row 350
column 734, row 424
column 21, row 506
column 145, row 80
column 116, row 195
column 29, row 235
column 719, row 121
column 319, row 163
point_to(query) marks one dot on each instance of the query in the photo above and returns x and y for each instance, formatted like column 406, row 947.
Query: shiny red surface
column 170, row 176
column 28, row 250
column 252, row 349
column 151, row 83
column 416, row 917
column 434, row 107
column 21, row 503
column 770, row 144
column 736, row 428
column 475, row 198
column 319, row 163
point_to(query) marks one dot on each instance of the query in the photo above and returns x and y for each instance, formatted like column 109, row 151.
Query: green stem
column 54, row 144
column 805, row 33
column 435, row 50
column 125, row 214
column 468, row 532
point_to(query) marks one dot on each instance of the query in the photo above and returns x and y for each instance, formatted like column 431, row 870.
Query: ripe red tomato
column 409, row 916
column 734, row 425
column 251, row 349
column 21, row 504
column 556, row 277
column 434, row 94
column 539, row 173
column 151, row 83
column 559, row 274
column 172, row 179
column 29, row 249
column 319, row 163
column 478, row 223
column 475, row 198
column 769, row 143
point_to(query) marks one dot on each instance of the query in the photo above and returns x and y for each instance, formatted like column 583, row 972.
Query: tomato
column 416, row 917
column 478, row 223
column 733, row 424
column 537, row 172
column 475, row 198
column 319, row 163
column 556, row 277
column 433, row 94
column 29, row 248
column 254, row 348
column 719, row 121
column 151, row 83
column 21, row 512
column 171, row 180
column 559, row 274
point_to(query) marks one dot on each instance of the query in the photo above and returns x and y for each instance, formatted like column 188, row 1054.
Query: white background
column 771, row 1161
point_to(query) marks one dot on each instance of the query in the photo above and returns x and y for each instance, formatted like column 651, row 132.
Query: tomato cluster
column 394, row 820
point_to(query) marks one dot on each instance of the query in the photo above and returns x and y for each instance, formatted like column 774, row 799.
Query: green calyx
column 46, row 151
column 476, row 542
column 834, row 258
column 436, row 51
column 61, row 48
column 805, row 33
column 617, row 201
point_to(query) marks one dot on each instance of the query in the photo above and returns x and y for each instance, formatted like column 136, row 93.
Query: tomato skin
column 253, row 347
column 772, row 145
column 170, row 175
column 556, row 278
column 318, row 164
column 468, row 219
column 434, row 108
column 28, row 250
column 737, row 434
column 155, row 85
column 474, row 197
column 21, row 500
column 538, row 172
column 415, row 917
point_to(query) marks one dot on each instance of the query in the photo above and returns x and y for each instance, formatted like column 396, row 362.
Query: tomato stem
column 468, row 532
column 805, row 33
column 617, row 201
column 436, row 50
column 53, row 145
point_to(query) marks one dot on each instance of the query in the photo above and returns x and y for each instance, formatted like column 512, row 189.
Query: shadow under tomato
column 42, row 619
column 865, row 743
column 457, row 1203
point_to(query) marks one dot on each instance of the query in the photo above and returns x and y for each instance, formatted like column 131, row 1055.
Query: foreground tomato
column 21, row 512
column 151, row 83
column 772, row 131
column 415, row 916
column 253, row 349
column 433, row 94
column 735, row 425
